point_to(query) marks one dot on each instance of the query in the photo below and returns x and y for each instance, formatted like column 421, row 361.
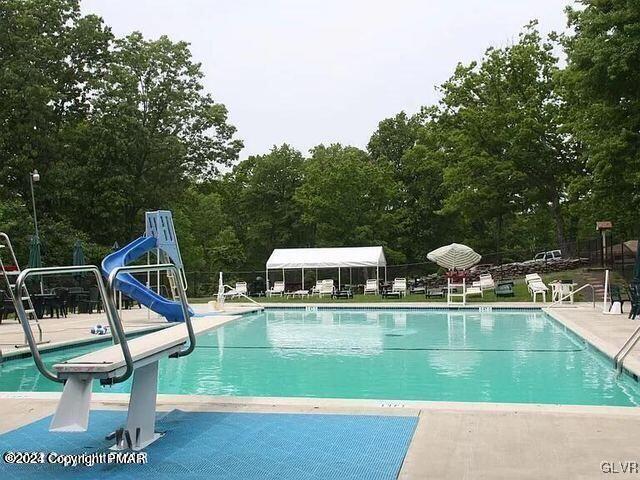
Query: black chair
column 6, row 305
column 616, row 294
column 59, row 303
column 86, row 305
column 634, row 298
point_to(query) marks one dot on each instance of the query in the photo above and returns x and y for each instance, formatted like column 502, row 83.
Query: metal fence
column 615, row 254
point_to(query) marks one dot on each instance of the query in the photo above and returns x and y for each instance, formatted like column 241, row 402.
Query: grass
column 521, row 294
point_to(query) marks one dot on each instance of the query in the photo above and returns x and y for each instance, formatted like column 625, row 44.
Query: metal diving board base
column 72, row 413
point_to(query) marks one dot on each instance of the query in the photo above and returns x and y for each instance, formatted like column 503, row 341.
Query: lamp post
column 34, row 177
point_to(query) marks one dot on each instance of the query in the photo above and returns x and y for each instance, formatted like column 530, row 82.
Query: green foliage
column 518, row 155
column 345, row 197
column 603, row 77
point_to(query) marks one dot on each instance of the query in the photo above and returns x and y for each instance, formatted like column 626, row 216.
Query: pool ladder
column 20, row 294
column 629, row 344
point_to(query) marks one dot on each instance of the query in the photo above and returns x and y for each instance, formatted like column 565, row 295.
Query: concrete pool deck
column 452, row 440
column 75, row 329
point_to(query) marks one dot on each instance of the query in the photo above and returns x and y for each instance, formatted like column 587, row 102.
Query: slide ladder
column 17, row 295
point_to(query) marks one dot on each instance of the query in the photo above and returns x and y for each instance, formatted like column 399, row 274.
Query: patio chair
column 504, row 289
column 634, row 299
column 86, row 305
column 241, row 288
column 616, row 294
column 371, row 286
column 435, row 293
column 316, row 289
column 400, row 286
column 326, row 288
column 59, row 303
column 536, row 287
column 485, row 282
column 277, row 289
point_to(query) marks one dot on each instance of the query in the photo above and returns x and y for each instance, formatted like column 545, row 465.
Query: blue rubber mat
column 230, row 446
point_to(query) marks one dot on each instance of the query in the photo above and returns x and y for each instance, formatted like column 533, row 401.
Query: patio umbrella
column 35, row 257
column 78, row 258
column 636, row 267
column 456, row 256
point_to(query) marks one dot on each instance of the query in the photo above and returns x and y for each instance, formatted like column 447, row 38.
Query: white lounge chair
column 485, row 282
column 536, row 287
column 315, row 290
column 326, row 288
column 239, row 290
column 400, row 285
column 371, row 286
column 277, row 289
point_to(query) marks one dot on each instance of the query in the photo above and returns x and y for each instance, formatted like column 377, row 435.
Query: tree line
column 527, row 147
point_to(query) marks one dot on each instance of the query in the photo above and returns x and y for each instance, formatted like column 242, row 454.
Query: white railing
column 569, row 295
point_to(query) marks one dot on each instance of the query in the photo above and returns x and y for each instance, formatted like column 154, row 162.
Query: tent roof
column 326, row 257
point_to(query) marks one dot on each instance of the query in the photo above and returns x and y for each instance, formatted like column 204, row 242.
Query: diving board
column 72, row 413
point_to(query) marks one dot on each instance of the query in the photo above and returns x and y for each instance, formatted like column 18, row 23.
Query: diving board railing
column 116, row 327
column 593, row 295
column 114, row 364
column 626, row 348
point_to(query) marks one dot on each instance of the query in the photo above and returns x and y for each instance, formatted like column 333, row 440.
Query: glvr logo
column 620, row 467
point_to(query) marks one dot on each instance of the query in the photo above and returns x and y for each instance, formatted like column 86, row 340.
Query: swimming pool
column 428, row 354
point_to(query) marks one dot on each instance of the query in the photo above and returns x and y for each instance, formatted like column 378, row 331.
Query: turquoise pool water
column 436, row 355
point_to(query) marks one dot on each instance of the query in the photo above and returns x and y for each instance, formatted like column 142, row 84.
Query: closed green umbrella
column 35, row 257
column 78, row 258
column 636, row 268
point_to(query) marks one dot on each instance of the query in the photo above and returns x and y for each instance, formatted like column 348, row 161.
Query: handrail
column 183, row 300
column 593, row 295
column 18, row 293
column 624, row 351
column 25, row 321
column 242, row 295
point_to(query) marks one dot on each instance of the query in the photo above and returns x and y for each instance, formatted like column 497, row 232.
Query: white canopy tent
column 315, row 258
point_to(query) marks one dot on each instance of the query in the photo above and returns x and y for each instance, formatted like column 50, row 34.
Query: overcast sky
column 320, row 71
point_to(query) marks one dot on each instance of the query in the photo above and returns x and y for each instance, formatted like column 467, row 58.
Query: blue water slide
column 127, row 284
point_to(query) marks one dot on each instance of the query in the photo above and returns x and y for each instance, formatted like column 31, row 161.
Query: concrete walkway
column 451, row 441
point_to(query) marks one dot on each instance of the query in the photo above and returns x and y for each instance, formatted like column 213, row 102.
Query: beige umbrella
column 456, row 256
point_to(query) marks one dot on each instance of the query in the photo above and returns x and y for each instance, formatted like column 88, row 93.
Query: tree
column 603, row 76
column 260, row 192
column 506, row 147
column 151, row 132
column 345, row 197
column 393, row 138
column 50, row 60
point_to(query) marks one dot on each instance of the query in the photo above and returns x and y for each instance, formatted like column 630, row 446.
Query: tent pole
column 302, row 278
column 283, row 281
column 378, row 276
column 338, row 278
column 385, row 274
column 350, row 277
column 267, row 280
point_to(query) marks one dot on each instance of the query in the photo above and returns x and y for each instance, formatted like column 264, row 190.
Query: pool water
column 439, row 355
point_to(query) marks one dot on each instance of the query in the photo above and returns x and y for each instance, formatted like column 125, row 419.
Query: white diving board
column 72, row 413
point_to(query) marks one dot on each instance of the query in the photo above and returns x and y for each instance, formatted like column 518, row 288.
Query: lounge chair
column 315, row 290
column 536, row 287
column 347, row 293
column 371, row 286
column 400, row 285
column 474, row 290
column 435, row 293
column 504, row 289
column 485, row 283
column 238, row 291
column 277, row 289
column 326, row 288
